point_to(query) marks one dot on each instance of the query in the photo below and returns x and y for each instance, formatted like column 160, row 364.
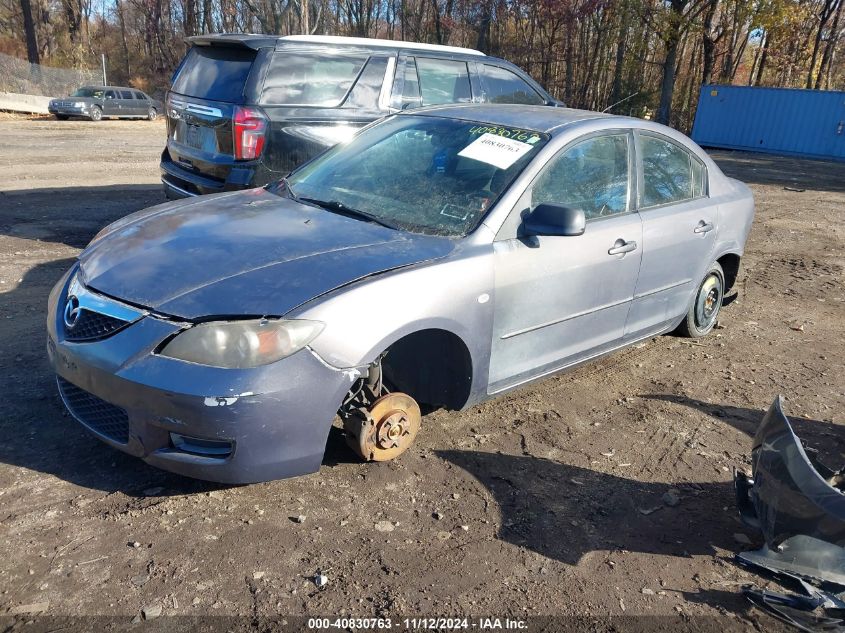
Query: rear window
column 218, row 73
column 311, row 78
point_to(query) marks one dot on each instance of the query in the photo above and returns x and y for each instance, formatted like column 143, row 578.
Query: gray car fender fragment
column 796, row 502
column 791, row 495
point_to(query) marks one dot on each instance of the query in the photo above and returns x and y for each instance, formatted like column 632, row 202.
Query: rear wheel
column 96, row 113
column 152, row 114
column 704, row 311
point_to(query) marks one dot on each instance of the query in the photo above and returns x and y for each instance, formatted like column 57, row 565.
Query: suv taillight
column 248, row 130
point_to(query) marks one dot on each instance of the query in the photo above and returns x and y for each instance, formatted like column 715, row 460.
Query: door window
column 504, row 86
column 443, row 81
column 125, row 94
column 110, row 94
column 592, row 175
column 670, row 173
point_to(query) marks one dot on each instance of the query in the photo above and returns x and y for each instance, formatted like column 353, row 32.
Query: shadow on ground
column 538, row 499
column 71, row 215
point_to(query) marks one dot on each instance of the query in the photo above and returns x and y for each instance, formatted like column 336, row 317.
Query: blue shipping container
column 807, row 123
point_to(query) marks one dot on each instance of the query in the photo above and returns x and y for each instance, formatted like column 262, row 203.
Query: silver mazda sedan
column 440, row 257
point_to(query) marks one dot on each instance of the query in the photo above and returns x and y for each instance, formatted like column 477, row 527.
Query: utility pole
column 103, row 57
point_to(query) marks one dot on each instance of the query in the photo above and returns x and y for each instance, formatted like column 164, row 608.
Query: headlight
column 79, row 104
column 240, row 344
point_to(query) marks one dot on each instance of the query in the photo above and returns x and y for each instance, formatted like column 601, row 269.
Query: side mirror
column 555, row 219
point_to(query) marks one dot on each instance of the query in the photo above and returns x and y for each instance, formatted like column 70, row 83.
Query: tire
column 152, row 115
column 96, row 113
column 703, row 313
column 62, row 117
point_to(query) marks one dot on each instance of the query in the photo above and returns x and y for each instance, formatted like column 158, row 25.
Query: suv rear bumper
column 179, row 182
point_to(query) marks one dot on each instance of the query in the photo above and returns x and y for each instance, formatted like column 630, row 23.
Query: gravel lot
column 540, row 494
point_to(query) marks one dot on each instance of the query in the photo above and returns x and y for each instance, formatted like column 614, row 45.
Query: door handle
column 620, row 247
column 703, row 227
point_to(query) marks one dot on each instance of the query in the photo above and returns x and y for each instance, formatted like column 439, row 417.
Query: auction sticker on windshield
column 495, row 150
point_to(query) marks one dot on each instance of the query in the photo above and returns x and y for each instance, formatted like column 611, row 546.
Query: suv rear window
column 214, row 72
column 310, row 78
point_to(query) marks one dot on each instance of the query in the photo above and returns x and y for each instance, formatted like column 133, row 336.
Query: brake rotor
column 386, row 429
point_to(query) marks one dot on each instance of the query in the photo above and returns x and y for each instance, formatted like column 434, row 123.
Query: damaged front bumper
column 796, row 502
column 224, row 425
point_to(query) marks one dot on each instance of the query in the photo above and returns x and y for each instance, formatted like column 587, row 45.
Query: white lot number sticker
column 495, row 150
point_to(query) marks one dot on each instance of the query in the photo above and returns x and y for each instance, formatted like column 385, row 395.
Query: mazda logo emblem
column 72, row 312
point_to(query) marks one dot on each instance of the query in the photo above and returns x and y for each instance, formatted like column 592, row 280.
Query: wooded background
column 640, row 57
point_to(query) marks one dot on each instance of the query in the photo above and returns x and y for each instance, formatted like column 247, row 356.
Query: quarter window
column 443, row 81
column 592, row 175
column 310, row 78
column 670, row 173
column 699, row 178
column 140, row 96
column 503, row 86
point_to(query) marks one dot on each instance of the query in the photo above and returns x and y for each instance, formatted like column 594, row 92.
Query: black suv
column 244, row 110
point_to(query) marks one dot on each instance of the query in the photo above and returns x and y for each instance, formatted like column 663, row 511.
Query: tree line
column 639, row 57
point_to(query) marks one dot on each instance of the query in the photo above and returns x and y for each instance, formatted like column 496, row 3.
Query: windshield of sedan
column 88, row 92
column 417, row 173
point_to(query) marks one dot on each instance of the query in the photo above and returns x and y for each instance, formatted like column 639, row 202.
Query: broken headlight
column 241, row 344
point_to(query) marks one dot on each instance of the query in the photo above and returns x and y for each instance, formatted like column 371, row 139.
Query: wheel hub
column 386, row 429
column 391, row 429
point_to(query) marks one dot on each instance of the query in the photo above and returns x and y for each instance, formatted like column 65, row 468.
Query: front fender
column 364, row 319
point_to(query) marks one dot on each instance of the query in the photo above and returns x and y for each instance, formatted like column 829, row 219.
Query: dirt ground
column 547, row 501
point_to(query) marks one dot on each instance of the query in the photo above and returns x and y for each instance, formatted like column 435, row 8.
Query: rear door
column 679, row 232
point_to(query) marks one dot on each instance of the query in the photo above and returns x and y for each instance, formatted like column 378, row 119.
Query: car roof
column 255, row 41
column 545, row 119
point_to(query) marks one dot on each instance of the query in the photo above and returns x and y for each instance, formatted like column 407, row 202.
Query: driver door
column 560, row 300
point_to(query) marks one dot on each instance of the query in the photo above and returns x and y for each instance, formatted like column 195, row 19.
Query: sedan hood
column 251, row 253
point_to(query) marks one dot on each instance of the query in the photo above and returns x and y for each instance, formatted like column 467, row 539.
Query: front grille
column 98, row 415
column 93, row 326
